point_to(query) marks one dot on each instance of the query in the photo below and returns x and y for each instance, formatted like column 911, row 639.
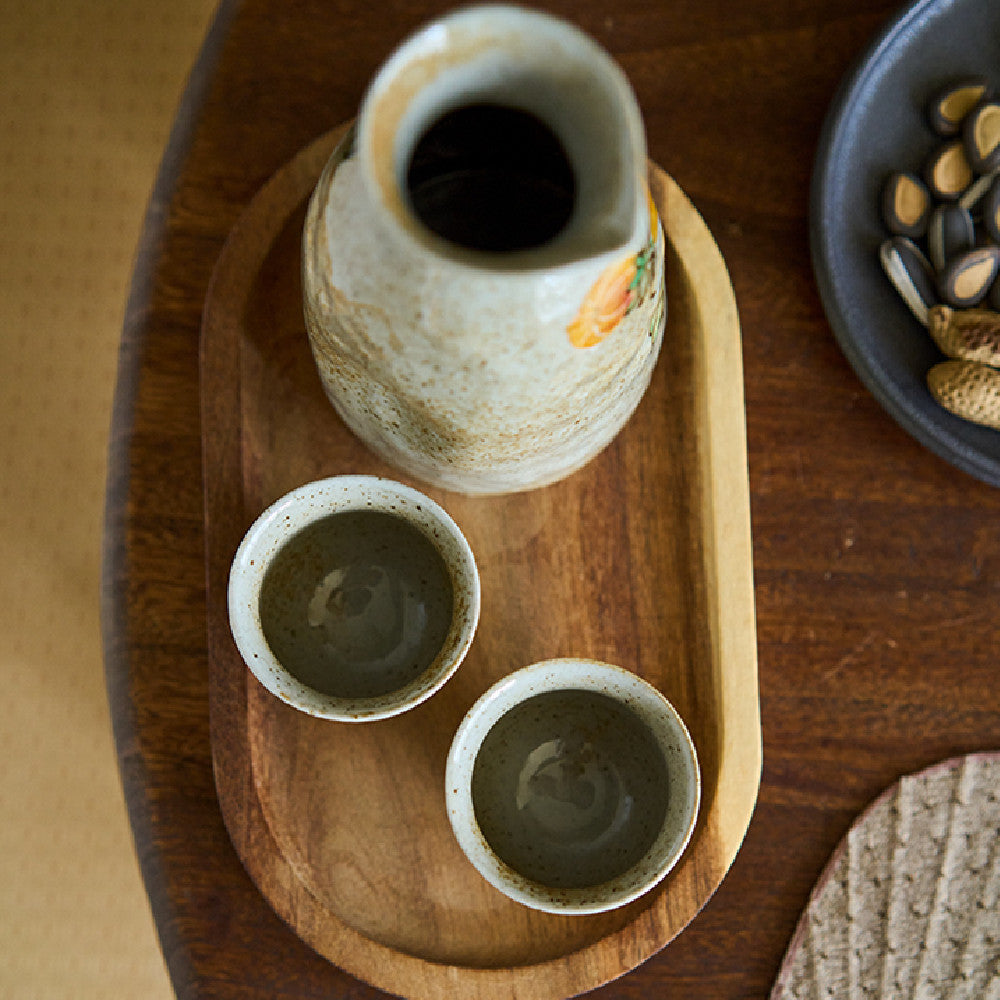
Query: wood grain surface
column 642, row 558
column 877, row 566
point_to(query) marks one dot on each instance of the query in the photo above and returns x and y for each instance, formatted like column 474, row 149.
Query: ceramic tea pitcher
column 483, row 263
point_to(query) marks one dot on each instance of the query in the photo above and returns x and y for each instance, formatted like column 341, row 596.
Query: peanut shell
column 969, row 334
column 968, row 389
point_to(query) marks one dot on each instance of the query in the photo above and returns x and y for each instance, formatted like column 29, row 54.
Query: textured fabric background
column 88, row 90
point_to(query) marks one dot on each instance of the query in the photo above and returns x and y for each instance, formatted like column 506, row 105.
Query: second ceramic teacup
column 573, row 786
column 353, row 598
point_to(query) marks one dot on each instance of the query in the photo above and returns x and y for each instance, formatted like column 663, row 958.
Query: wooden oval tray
column 643, row 558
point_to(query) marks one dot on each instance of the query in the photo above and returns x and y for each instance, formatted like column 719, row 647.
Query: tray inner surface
column 642, row 559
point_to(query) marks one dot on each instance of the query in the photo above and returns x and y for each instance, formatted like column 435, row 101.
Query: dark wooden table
column 877, row 565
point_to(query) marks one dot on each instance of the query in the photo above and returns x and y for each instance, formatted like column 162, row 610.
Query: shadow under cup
column 353, row 598
column 573, row 786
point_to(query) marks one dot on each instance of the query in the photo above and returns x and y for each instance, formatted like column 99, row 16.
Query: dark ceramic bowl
column 878, row 124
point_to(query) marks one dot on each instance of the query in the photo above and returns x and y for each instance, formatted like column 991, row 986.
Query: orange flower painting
column 604, row 305
column 615, row 293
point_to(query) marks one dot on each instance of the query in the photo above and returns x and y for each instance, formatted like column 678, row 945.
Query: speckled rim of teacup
column 570, row 673
column 311, row 502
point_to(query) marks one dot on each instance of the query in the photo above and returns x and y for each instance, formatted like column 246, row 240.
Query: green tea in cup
column 572, row 786
column 357, row 604
column 353, row 598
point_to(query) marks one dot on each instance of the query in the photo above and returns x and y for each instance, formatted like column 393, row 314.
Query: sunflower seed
column 947, row 171
column 952, row 103
column 967, row 278
column 974, row 192
column 990, row 210
column 906, row 204
column 981, row 132
column 911, row 273
column 950, row 231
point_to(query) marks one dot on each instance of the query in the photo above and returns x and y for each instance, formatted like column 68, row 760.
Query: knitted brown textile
column 909, row 904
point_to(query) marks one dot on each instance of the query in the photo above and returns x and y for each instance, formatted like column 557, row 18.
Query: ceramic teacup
column 353, row 598
column 573, row 786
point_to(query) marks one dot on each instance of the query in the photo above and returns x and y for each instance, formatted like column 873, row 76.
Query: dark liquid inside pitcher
column 491, row 178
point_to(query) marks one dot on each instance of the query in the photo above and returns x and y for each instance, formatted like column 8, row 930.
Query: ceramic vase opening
column 505, row 132
column 491, row 177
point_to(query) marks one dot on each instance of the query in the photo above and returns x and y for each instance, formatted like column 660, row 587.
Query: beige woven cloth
column 88, row 90
column 908, row 907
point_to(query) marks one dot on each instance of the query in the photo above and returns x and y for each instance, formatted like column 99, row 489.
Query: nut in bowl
column 573, row 786
column 353, row 598
column 953, row 288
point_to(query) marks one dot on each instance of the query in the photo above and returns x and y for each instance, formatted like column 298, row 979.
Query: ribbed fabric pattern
column 909, row 906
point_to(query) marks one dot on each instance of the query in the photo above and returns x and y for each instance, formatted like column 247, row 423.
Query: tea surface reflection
column 570, row 788
column 357, row 604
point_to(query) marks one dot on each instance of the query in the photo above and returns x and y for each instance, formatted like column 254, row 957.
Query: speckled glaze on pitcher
column 483, row 263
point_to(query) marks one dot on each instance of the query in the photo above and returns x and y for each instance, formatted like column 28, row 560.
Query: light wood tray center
column 643, row 559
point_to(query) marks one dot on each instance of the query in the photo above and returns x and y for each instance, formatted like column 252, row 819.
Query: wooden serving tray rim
column 729, row 806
